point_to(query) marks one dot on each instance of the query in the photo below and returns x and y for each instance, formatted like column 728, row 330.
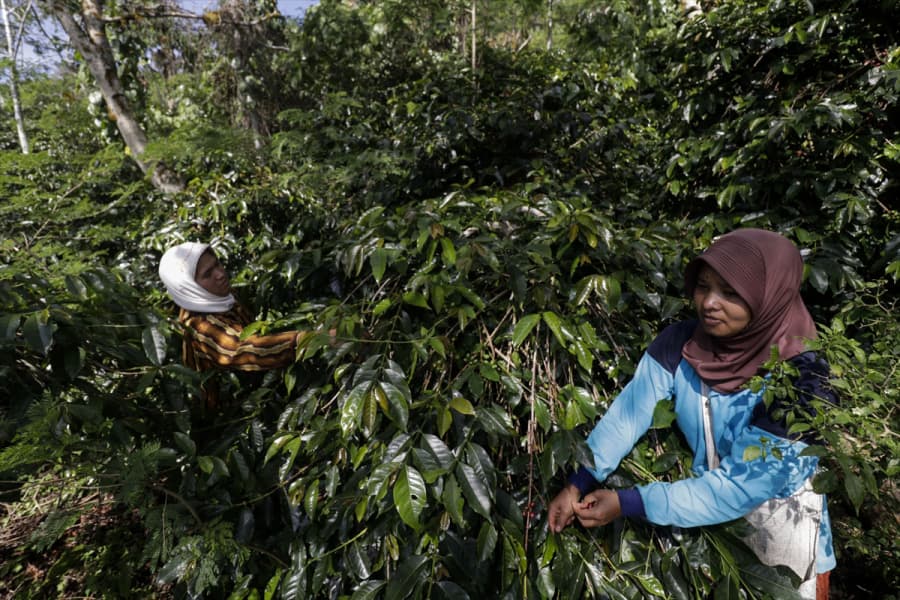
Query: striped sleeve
column 216, row 341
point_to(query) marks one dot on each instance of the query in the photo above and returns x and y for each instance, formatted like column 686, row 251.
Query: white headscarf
column 177, row 270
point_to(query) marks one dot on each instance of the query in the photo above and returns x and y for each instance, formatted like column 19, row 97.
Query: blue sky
column 290, row 8
column 295, row 8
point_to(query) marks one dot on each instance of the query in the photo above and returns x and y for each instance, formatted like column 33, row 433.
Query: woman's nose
column 711, row 300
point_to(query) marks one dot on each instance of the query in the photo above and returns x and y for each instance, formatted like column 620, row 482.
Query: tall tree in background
column 12, row 50
column 244, row 35
column 86, row 29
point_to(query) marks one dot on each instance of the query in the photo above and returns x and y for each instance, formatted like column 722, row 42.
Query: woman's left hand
column 600, row 507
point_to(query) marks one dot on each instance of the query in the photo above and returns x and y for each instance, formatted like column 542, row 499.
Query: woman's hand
column 600, row 507
column 561, row 511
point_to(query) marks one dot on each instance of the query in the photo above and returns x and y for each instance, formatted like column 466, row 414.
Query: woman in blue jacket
column 746, row 289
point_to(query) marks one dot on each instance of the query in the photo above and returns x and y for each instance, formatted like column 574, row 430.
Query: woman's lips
column 711, row 321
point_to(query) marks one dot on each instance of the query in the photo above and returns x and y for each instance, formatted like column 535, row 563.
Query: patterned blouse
column 213, row 340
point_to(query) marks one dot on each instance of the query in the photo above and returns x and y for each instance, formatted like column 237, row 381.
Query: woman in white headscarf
column 213, row 320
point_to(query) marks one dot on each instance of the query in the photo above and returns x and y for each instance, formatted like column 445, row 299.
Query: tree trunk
column 14, row 80
column 549, row 24
column 474, row 56
column 89, row 38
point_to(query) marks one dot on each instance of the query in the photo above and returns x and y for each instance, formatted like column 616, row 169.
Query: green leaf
column 245, row 527
column 450, row 591
column 474, row 489
column 770, row 581
column 276, row 445
column 311, row 499
column 369, row 412
column 291, row 448
column 818, row 277
column 357, row 562
column 553, row 322
column 444, row 420
column 584, row 287
column 240, row 463
column 256, row 327
column 583, row 354
column 351, row 411
column 416, row 299
column 487, row 541
column 489, row 372
column 610, row 289
column 272, row 585
column 663, row 414
column 382, row 306
column 651, row 585
column 398, row 403
column 752, row 453
column 290, row 380
column 368, row 590
column 185, row 442
column 438, row 346
column 452, row 500
column 727, row 589
column 154, row 345
column 524, row 327
column 448, row 252
column 295, row 583
column 174, row 569
column 893, row 269
column 439, row 449
column 410, row 574
column 378, row 261
column 853, row 485
column 76, row 287
column 219, row 467
column 206, row 464
column 410, row 496
column 73, row 361
column 9, row 324
column 462, row 406
column 38, row 331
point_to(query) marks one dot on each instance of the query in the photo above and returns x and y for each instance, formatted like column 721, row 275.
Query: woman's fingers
column 561, row 512
column 597, row 508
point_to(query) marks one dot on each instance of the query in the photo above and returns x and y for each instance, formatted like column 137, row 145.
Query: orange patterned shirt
column 213, row 340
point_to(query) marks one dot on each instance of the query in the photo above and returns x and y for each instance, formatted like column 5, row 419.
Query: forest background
column 492, row 203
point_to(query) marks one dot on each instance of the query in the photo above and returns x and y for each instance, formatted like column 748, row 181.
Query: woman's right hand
column 561, row 511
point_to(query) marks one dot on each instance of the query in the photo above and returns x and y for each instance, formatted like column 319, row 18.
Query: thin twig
column 530, row 444
column 180, row 499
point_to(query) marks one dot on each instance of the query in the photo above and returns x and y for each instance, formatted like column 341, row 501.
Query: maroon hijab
column 765, row 269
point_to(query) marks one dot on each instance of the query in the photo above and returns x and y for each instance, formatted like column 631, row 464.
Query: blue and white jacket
column 739, row 419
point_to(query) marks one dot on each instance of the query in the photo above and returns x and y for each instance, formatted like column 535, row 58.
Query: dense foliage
column 494, row 246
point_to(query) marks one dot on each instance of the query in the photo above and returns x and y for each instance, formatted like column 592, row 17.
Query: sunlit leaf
column 410, row 495
column 524, row 328
column 378, row 261
column 553, row 322
column 462, row 406
column 368, row 590
column 154, row 345
column 439, row 449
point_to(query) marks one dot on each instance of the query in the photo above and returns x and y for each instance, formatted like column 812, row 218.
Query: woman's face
column 211, row 275
column 722, row 312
